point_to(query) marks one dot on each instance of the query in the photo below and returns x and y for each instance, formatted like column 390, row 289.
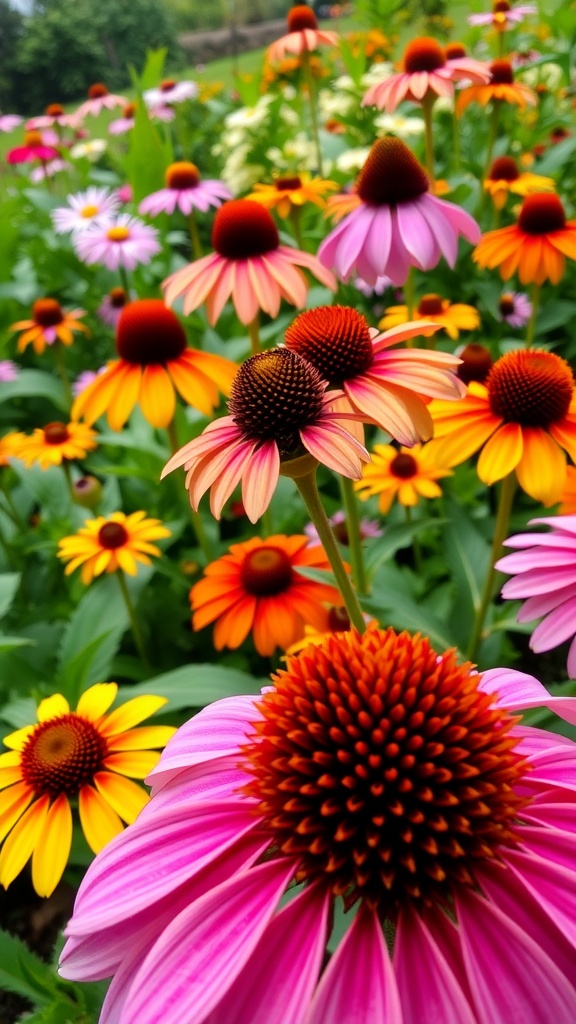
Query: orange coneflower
column 257, row 588
column 86, row 756
column 49, row 323
column 295, row 190
column 407, row 474
column 110, row 543
column 522, row 418
column 536, row 246
column 56, row 443
column 452, row 317
column 501, row 87
column 504, row 176
column 155, row 361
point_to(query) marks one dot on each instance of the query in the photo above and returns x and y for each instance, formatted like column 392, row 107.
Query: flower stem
column 456, row 141
column 195, row 517
column 492, row 136
column 11, row 509
column 354, row 535
column 307, row 68
column 124, row 279
column 410, row 300
column 427, row 105
column 68, row 475
column 62, row 371
column 136, row 633
column 309, row 492
column 416, row 549
column 531, row 329
column 194, row 237
column 507, row 489
column 254, row 332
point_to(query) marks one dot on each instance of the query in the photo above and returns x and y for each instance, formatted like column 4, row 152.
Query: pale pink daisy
column 384, row 780
column 125, row 123
column 112, row 305
column 8, row 371
column 503, row 15
column 99, row 99
column 83, row 209
column 279, row 410
column 170, row 91
column 249, row 265
column 544, row 571
column 162, row 113
column 427, row 73
column 8, row 122
column 515, row 308
column 383, row 385
column 303, row 35
column 185, row 190
column 396, row 223
column 49, row 169
column 123, row 242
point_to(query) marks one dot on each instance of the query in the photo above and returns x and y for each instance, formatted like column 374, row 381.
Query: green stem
column 68, row 475
column 194, row 237
column 500, row 47
column 254, row 333
column 427, row 105
column 295, row 212
column 309, row 492
column 354, row 535
column 505, row 501
column 307, row 68
column 531, row 329
column 124, row 281
column 410, row 300
column 195, row 517
column 456, row 141
column 136, row 633
column 62, row 371
column 492, row 136
column 416, row 549
column 11, row 510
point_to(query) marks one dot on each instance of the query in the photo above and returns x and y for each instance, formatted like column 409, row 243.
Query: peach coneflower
column 111, row 543
column 535, row 247
column 453, row 317
column 279, row 410
column 49, row 323
column 249, row 264
column 290, row 191
column 155, row 360
column 57, row 443
column 504, row 176
column 383, row 386
column 522, row 418
column 427, row 73
column 99, row 99
column 84, row 756
column 397, row 222
column 501, row 87
column 303, row 35
column 256, row 588
column 408, row 475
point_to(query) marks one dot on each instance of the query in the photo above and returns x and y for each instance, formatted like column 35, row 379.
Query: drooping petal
column 22, row 840
column 52, row 849
column 429, row 991
column 519, row 691
column 260, row 480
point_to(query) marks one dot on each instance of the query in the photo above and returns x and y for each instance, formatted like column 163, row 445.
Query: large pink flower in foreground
column 303, row 35
column 427, row 74
column 544, row 571
column 279, row 410
column 397, row 222
column 380, row 777
column 186, row 191
column 383, row 385
column 249, row 265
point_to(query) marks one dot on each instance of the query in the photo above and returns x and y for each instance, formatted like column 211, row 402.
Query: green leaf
column 35, row 384
column 92, row 637
column 148, row 153
column 7, row 643
column 8, row 586
column 19, row 713
column 396, row 537
column 194, row 686
column 468, row 557
column 404, row 612
column 23, row 973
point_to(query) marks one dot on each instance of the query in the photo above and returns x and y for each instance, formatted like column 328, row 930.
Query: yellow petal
column 124, row 796
column 137, row 764
column 9, row 759
column 8, row 776
column 52, row 850
column 13, row 803
column 146, row 738
column 96, row 700
column 99, row 822
column 501, row 453
column 541, row 471
column 22, row 841
column 53, row 707
column 131, row 713
column 17, row 740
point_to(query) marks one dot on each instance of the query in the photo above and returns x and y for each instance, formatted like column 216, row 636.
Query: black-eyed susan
column 110, row 543
column 155, row 361
column 504, row 176
column 535, row 247
column 49, row 323
column 10, row 445
column 296, row 190
column 406, row 474
column 501, row 88
column 57, row 443
column 523, row 418
column 82, row 759
column 453, row 317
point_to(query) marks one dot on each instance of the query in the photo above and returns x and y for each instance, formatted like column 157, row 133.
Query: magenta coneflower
column 249, row 265
column 303, row 35
column 170, row 91
column 397, row 222
column 544, row 572
column 428, row 72
column 112, row 305
column 83, row 209
column 186, row 191
column 99, row 99
column 123, row 242
column 383, row 385
column 515, row 308
column 378, row 776
column 279, row 410
column 34, row 148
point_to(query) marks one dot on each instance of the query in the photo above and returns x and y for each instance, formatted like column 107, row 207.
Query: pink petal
column 219, row 779
column 553, row 887
column 417, row 236
column 221, row 291
column 398, row 266
column 538, row 581
column 336, row 448
column 230, row 476
column 377, row 245
column 534, row 607
column 537, row 557
column 518, row 691
column 244, row 297
column 558, row 626
column 429, row 991
column 260, row 480
column 549, row 843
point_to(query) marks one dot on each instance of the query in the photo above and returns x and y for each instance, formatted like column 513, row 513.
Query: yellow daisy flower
column 407, row 474
column 505, row 176
column 10, row 445
column 84, row 758
column 55, row 443
column 295, row 190
column 107, row 544
column 49, row 323
column 453, row 317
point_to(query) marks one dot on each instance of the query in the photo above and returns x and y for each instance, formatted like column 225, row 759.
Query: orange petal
column 501, row 453
column 541, row 471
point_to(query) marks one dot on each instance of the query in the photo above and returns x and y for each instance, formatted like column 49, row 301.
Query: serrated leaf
column 24, row 973
column 194, row 686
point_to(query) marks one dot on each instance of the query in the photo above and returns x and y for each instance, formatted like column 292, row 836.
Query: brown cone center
column 266, row 571
column 61, row 755
column 148, row 332
column 476, row 363
column 301, row 17
column 501, row 73
column 504, row 168
column 404, row 466
column 97, row 90
column 288, row 184
column 431, row 305
column 243, row 228
column 335, row 339
column 391, row 174
column 56, row 433
column 542, row 213
column 423, row 54
column 182, row 175
column 112, row 536
column 47, row 312
column 530, row 387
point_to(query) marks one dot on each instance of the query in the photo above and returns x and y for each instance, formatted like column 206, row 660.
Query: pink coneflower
column 124, row 242
column 303, row 35
column 34, row 148
column 48, row 170
column 544, row 572
column 515, row 308
column 368, row 290
column 99, row 99
column 427, row 73
column 185, row 190
column 381, row 777
column 383, row 387
column 368, row 528
column 83, row 209
column 8, row 122
column 162, row 113
column 279, row 410
column 503, row 15
column 169, row 91
column 397, row 222
column 125, row 193
column 126, row 122
column 55, row 115
column 112, row 305
column 8, row 371
column 249, row 265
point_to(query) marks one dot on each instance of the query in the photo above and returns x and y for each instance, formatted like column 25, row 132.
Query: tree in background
column 11, row 31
